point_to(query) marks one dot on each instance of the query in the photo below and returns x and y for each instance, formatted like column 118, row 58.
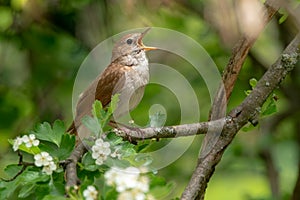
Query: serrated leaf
column 114, row 139
column 92, row 124
column 253, row 82
column 45, row 132
column 66, row 146
column 97, row 107
column 114, row 103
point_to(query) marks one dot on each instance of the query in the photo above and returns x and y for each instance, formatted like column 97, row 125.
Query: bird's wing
column 109, row 82
column 112, row 84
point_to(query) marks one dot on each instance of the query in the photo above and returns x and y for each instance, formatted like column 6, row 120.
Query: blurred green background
column 43, row 43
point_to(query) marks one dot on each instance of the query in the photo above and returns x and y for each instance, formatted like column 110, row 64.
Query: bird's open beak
column 140, row 42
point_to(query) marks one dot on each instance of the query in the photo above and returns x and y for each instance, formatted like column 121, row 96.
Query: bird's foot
column 130, row 133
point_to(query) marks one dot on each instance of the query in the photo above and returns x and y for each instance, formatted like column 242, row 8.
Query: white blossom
column 42, row 159
column 48, row 169
column 100, row 159
column 129, row 182
column 30, row 140
column 90, row 193
column 127, row 195
column 17, row 142
column 143, row 184
column 132, row 195
column 100, row 151
column 116, row 154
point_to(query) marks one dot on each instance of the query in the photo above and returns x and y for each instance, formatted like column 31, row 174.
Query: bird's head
column 130, row 44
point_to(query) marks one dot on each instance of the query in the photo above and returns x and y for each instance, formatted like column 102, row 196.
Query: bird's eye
column 129, row 41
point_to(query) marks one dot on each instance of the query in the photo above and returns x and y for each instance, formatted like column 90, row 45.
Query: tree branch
column 239, row 117
column 71, row 167
column 170, row 131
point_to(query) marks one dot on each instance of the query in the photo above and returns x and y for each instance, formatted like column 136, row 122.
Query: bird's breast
column 136, row 78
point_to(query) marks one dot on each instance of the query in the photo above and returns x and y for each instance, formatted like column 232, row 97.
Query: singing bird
column 126, row 75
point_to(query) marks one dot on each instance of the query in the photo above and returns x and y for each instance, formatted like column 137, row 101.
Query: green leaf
column 160, row 192
column 8, row 188
column 111, row 194
column 27, row 190
column 25, row 180
column 114, row 103
column 127, row 149
column 31, row 150
column 42, row 190
column 92, row 124
column 142, row 146
column 271, row 108
column 57, row 187
column 89, row 163
column 253, row 82
column 12, row 170
column 159, row 188
column 97, row 107
column 248, row 128
column 56, row 197
column 157, row 181
column 66, row 146
column 114, row 139
column 33, row 176
column 45, row 132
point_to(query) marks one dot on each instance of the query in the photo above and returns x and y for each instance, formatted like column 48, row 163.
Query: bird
column 126, row 75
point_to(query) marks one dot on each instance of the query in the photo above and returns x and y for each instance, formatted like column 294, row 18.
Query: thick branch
column 240, row 116
column 198, row 184
column 236, row 61
column 71, row 166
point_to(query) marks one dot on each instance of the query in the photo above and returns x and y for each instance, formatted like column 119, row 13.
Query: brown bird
column 127, row 75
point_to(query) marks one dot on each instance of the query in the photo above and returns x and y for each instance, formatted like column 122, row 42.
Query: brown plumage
column 126, row 75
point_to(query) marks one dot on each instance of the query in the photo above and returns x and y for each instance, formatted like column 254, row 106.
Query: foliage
column 43, row 44
column 119, row 160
